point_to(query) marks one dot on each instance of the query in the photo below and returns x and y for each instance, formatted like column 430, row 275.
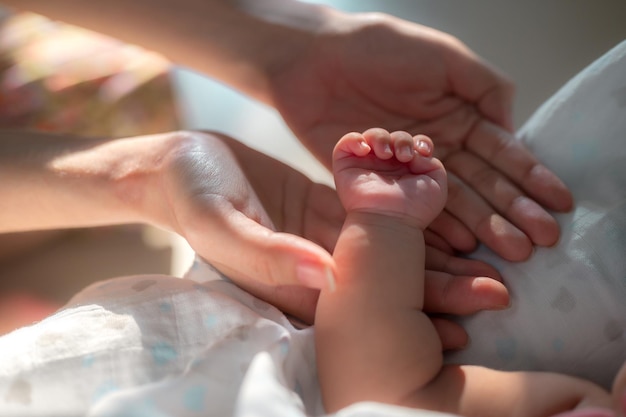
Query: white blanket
column 569, row 302
column 159, row 346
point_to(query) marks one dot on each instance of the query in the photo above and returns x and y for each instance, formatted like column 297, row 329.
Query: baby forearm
column 382, row 258
column 372, row 341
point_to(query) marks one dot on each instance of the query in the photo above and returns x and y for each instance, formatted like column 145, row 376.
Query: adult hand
column 374, row 70
column 262, row 223
column 329, row 73
column 259, row 221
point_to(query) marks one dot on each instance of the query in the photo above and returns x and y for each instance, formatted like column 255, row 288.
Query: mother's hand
column 271, row 230
column 374, row 70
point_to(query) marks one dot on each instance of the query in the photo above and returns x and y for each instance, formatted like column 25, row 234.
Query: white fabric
column 568, row 309
column 156, row 346
column 160, row 346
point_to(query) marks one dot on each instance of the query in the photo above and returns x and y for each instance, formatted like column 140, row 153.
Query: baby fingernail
column 315, row 275
column 405, row 153
column 424, row 148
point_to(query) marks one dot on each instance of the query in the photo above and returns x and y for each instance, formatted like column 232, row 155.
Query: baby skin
column 373, row 341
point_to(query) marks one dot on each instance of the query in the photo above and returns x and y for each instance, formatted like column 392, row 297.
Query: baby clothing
column 153, row 346
column 159, row 346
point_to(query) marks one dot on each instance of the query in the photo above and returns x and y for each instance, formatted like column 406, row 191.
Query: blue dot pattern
column 568, row 309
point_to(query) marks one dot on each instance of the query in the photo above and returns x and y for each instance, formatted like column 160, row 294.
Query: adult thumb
column 281, row 268
column 276, row 258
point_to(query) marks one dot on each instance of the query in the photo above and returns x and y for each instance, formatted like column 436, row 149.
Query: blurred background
column 62, row 78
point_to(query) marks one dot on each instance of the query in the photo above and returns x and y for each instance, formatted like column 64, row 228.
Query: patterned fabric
column 152, row 346
column 569, row 302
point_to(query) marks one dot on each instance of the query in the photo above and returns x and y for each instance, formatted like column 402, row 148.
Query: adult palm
column 257, row 219
column 374, row 70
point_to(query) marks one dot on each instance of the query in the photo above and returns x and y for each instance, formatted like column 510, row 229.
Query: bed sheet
column 200, row 346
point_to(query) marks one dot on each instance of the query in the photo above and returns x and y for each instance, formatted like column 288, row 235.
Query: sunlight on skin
column 498, row 225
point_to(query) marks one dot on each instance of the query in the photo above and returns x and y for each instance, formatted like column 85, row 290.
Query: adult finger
column 436, row 260
column 453, row 232
column 275, row 258
column 478, row 82
column 434, row 240
column 495, row 231
column 510, row 157
column 460, row 286
column 463, row 295
column 276, row 267
column 507, row 199
column 452, row 335
column 296, row 301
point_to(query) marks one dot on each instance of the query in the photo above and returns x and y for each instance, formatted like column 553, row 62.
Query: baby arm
column 373, row 341
column 484, row 392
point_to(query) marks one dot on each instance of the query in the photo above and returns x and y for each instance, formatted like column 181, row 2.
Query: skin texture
column 373, row 340
column 307, row 62
column 224, row 198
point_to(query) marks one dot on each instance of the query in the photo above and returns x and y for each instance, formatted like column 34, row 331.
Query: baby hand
column 393, row 174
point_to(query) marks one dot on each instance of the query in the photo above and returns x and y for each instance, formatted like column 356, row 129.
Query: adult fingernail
column 494, row 293
column 315, row 275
